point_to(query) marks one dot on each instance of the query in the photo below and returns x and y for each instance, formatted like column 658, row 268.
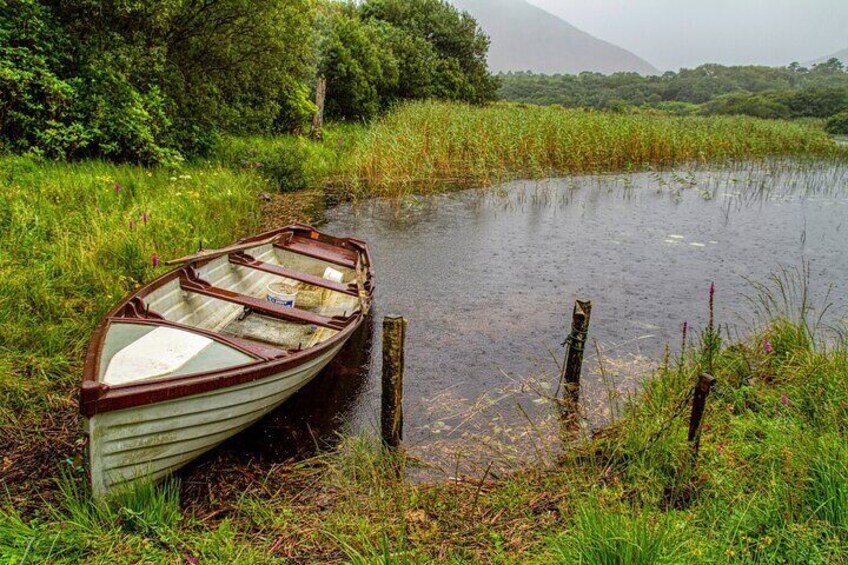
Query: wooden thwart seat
column 245, row 260
column 319, row 250
column 190, row 282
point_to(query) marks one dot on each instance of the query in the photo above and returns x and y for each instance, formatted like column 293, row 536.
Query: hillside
column 841, row 55
column 527, row 38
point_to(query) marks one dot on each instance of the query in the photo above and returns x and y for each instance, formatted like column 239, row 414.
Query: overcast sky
column 685, row 33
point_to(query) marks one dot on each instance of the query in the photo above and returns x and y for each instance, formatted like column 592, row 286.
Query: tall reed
column 423, row 145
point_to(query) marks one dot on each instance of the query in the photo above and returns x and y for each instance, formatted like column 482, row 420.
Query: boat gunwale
column 97, row 398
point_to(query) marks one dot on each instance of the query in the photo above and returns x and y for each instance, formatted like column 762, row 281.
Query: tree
column 838, row 124
column 460, row 43
column 140, row 80
column 358, row 66
column 385, row 51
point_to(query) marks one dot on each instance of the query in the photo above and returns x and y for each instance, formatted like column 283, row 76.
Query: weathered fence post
column 391, row 413
column 317, row 132
column 570, row 378
column 699, row 403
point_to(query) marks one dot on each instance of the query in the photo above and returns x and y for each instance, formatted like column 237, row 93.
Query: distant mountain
column 841, row 55
column 527, row 38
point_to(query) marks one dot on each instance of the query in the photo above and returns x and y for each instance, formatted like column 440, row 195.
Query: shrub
column 142, row 81
column 745, row 104
column 677, row 108
column 287, row 163
column 838, row 124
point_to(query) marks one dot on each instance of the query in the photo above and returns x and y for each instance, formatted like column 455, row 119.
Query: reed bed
column 423, row 146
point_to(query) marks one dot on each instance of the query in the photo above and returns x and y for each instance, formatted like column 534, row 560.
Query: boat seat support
column 245, row 260
column 190, row 281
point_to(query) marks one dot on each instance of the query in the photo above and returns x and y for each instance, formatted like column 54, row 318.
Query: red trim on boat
column 319, row 250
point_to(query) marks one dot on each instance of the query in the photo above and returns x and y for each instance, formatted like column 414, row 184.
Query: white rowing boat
column 208, row 349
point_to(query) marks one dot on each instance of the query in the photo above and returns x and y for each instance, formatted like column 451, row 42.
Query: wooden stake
column 570, row 378
column 317, row 132
column 391, row 413
column 699, row 403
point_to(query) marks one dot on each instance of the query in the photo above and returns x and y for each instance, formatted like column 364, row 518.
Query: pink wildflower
column 767, row 347
column 155, row 260
column 145, row 218
column 117, row 188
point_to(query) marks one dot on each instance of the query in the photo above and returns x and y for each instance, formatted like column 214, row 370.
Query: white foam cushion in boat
column 156, row 354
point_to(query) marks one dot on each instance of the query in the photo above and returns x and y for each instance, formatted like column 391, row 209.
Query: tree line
column 159, row 80
column 765, row 92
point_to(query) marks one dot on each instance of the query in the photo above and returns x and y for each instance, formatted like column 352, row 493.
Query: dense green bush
column 462, row 46
column 142, row 81
column 358, row 66
column 287, row 163
column 677, row 108
column 811, row 102
column 817, row 102
column 745, row 104
column 153, row 81
column 37, row 107
column 385, row 51
column 838, row 124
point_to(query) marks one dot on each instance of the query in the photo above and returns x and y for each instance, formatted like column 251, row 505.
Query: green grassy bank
column 75, row 238
column 771, row 486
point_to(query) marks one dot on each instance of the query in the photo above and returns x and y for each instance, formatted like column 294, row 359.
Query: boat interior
column 228, row 312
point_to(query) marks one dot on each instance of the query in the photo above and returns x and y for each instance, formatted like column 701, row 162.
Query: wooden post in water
column 699, row 403
column 317, row 132
column 391, row 409
column 570, row 378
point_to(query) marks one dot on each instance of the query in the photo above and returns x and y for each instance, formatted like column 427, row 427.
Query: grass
column 291, row 163
column 772, row 481
column 75, row 239
column 425, row 146
column 770, row 487
column 609, row 535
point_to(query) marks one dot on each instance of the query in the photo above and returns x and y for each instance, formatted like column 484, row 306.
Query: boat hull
column 149, row 442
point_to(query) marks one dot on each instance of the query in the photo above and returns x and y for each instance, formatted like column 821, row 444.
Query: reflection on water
column 487, row 280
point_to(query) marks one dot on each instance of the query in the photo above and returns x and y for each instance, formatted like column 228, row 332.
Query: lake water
column 487, row 280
